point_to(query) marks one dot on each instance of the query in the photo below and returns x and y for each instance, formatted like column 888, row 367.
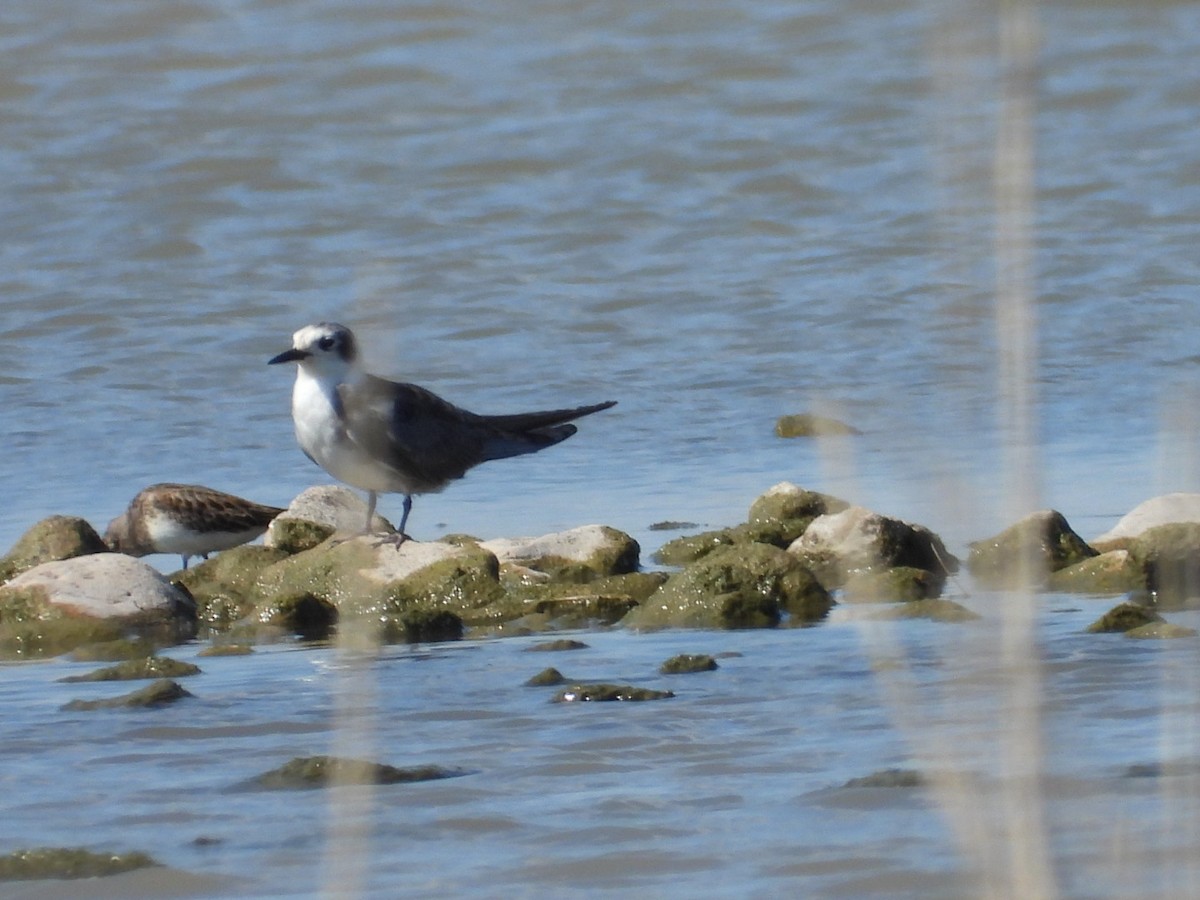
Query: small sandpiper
column 389, row 437
column 188, row 519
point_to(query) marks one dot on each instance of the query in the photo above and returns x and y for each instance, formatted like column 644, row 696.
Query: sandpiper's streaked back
column 188, row 519
column 387, row 437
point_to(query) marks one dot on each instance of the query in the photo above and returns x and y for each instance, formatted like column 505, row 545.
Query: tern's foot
column 395, row 538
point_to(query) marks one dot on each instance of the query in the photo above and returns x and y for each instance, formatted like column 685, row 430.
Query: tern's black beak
column 289, row 356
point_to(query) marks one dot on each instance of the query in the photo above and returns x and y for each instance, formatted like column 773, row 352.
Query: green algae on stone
column 422, row 626
column 68, row 863
column 135, row 669
column 54, row 538
column 585, row 610
column 304, row 614
column 670, row 525
column 28, row 634
column 933, row 609
column 546, row 678
column 687, row 663
column 1124, row 617
column 689, row 548
column 748, row 586
column 1114, row 572
column 1160, row 631
column 888, row 778
column 903, row 583
column 597, row 693
column 306, row 773
column 227, row 649
column 1029, row 550
column 159, row 693
column 1168, row 557
column 114, row 650
column 789, row 509
column 224, row 586
column 297, row 535
column 556, row 646
column 811, row 425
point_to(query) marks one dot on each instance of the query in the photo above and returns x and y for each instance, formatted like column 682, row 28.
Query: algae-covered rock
column 936, row 610
column 888, row 778
column 739, row 587
column 557, row 646
column 856, row 540
column 304, row 615
column 378, row 582
column 579, row 555
column 546, row 678
column 316, row 514
column 585, row 610
column 420, row 625
column 135, row 669
column 232, row 649
column 811, row 425
column 1169, row 509
column 105, row 586
column 1168, row 557
column 901, row 584
column 51, row 633
column 1114, row 572
column 1160, row 631
column 1027, row 552
column 306, row 773
column 602, row 602
column 55, row 538
column 224, row 586
column 786, row 510
column 68, row 863
column 606, row 692
column 114, row 650
column 689, row 548
column 1124, row 617
column 687, row 663
column 159, row 693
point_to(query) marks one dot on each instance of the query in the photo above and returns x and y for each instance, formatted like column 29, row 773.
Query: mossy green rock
column 600, row 693
column 135, row 669
column 739, row 587
column 33, row 628
column 306, row 773
column 292, row 536
column 888, row 778
column 160, row 693
column 1115, row 572
column 546, row 678
column 68, row 863
column 1124, row 617
column 787, row 510
column 811, row 425
column 227, row 650
column 935, row 610
column 1030, row 550
column 114, row 650
column 903, row 584
column 1168, row 557
column 558, row 646
column 378, row 582
column 224, row 587
column 691, row 547
column 687, row 663
column 1160, row 631
column 55, row 538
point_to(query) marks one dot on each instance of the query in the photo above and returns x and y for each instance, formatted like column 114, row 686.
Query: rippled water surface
column 715, row 213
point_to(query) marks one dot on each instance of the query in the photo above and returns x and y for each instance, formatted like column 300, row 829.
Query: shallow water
column 715, row 214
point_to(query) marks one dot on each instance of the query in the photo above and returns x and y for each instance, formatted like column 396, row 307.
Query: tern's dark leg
column 400, row 536
column 185, row 559
column 404, row 515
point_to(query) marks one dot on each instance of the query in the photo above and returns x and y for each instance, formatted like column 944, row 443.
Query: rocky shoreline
column 798, row 554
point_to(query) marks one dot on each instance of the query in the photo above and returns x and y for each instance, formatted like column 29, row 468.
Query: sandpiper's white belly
column 319, row 431
column 170, row 535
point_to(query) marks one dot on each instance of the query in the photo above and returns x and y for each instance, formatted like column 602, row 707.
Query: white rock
column 329, row 504
column 1165, row 510
column 397, row 563
column 577, row 545
column 104, row 585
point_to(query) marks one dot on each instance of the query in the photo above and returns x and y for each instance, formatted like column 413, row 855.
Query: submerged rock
column 160, row 693
column 687, row 663
column 1160, row 631
column 52, row 539
column 306, row 773
column 581, row 555
column 113, row 651
column 888, row 778
column 1114, row 572
column 811, row 425
column 935, row 610
column 546, row 678
column 224, row 586
column 1168, row 557
column 1027, row 552
column 227, row 650
column 1124, row 617
column 1168, row 509
column 587, row 693
column 901, row 584
column 739, row 587
column 857, row 541
column 135, row 669
column 68, row 863
column 556, row 646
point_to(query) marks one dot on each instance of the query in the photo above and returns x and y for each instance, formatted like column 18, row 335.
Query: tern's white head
column 326, row 349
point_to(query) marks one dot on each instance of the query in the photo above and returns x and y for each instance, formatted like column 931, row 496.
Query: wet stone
column 556, row 646
column 1124, row 617
column 606, row 692
column 134, row 669
column 546, row 678
column 52, row 539
column 227, row 650
column 686, row 663
column 812, row 425
column 306, row 773
column 934, row 610
column 888, row 778
column 113, row 651
column 1041, row 543
column 160, row 693
column 1160, row 631
column 68, row 863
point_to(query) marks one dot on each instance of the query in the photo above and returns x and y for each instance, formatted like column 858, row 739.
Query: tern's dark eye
column 326, row 343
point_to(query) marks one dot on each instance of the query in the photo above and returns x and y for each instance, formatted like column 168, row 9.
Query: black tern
column 387, row 437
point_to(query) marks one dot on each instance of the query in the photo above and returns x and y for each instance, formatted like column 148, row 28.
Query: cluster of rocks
column 796, row 551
